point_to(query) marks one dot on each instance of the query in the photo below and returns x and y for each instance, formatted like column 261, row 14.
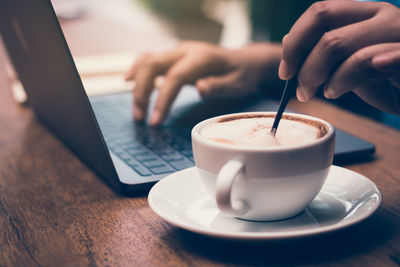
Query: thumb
column 218, row 86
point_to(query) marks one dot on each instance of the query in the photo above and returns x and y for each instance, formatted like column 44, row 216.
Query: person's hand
column 346, row 46
column 216, row 72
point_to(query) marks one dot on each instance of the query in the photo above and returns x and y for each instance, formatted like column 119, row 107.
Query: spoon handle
column 290, row 86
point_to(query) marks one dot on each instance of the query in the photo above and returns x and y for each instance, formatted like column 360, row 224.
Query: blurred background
column 137, row 26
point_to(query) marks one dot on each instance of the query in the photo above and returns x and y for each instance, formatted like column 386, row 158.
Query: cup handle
column 226, row 177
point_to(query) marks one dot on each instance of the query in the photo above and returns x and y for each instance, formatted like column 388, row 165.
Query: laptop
column 100, row 130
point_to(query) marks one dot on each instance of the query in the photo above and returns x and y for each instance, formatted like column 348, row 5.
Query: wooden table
column 54, row 211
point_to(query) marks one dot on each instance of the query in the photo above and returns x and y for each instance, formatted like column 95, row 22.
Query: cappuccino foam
column 254, row 130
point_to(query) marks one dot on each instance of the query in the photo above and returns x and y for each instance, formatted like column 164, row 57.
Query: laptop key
column 191, row 158
column 163, row 150
column 129, row 144
column 142, row 170
column 186, row 152
column 153, row 163
column 145, row 156
column 117, row 150
column 180, row 164
column 136, row 150
column 124, row 156
column 133, row 162
column 162, row 169
column 171, row 156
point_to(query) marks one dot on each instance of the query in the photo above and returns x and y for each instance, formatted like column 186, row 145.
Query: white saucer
column 346, row 198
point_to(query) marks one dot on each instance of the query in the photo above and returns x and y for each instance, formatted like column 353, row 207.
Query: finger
column 388, row 61
column 166, row 96
column 139, row 61
column 144, row 74
column 160, row 60
column 185, row 71
column 334, row 47
column 382, row 95
column 141, row 94
column 309, row 28
column 220, row 86
column 357, row 71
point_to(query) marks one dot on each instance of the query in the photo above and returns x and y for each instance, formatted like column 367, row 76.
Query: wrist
column 262, row 60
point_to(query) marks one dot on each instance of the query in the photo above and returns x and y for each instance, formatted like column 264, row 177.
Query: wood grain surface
column 54, row 211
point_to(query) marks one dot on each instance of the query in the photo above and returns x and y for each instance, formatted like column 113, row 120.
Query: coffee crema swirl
column 254, row 130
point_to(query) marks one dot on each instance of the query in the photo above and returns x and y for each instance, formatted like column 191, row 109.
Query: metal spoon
column 290, row 87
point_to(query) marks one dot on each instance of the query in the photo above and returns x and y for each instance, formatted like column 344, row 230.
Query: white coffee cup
column 263, row 183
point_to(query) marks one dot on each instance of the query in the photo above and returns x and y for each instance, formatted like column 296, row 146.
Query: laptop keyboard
column 149, row 151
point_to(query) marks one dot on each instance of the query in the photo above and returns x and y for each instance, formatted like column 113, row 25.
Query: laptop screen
column 40, row 55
